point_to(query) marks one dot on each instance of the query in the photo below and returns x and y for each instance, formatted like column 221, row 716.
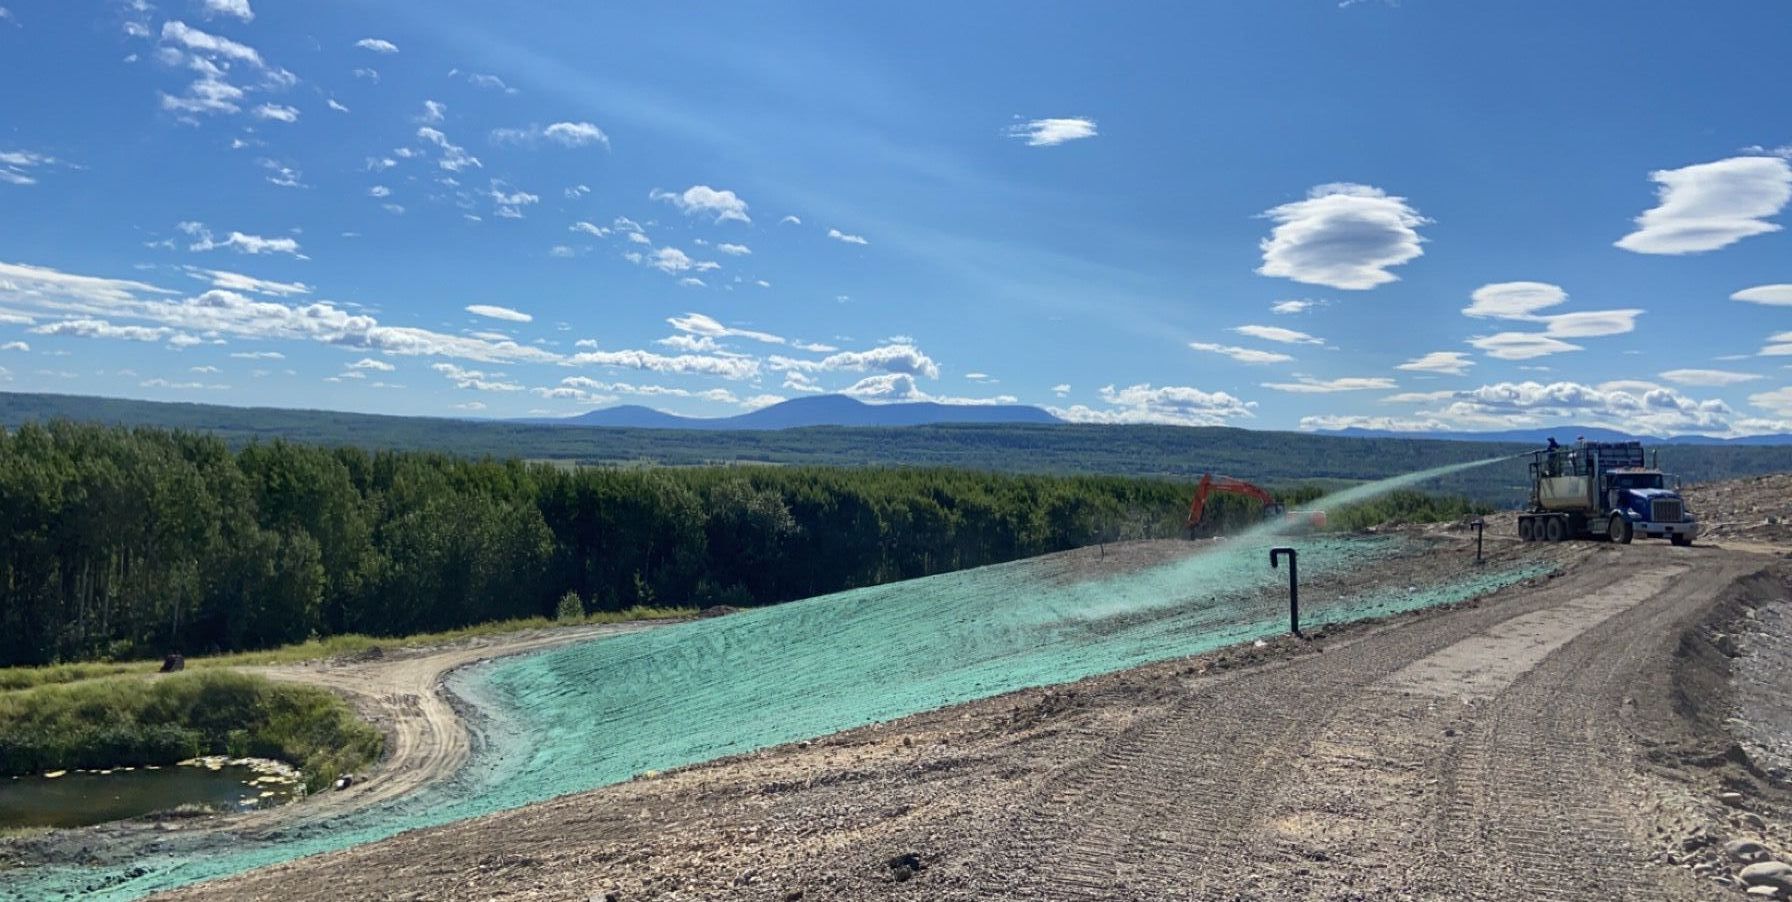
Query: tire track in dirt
column 1228, row 793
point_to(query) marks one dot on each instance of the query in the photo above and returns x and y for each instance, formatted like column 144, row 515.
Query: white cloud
column 1712, row 205
column 797, row 381
column 454, row 158
column 1447, row 363
column 790, row 220
column 377, row 45
column 493, row 82
column 368, row 363
column 732, row 367
column 1310, row 386
column 576, row 134
column 13, row 164
column 1335, row 422
column 1632, row 405
column 504, row 313
column 379, row 191
column 238, row 241
column 372, row 75
column 838, row 235
column 234, row 281
column 595, row 231
column 226, row 313
column 259, row 355
column 723, row 205
column 1242, row 355
column 670, row 260
column 433, row 112
column 1289, row 307
column 175, row 32
column 1343, row 236
column 1419, row 397
column 901, row 387
column 1051, row 132
column 335, row 105
column 639, row 238
column 15, row 346
column 1771, row 295
column 1520, row 345
column 1061, row 390
column 181, row 386
column 476, row 380
column 99, row 328
column 277, row 112
column 691, row 282
column 1778, row 401
column 1169, row 405
column 238, row 8
column 889, row 358
column 1591, row 324
column 1513, row 300
column 566, row 134
column 1707, row 378
column 562, row 251
column 509, row 204
column 470, row 405
column 738, row 250
column 1278, row 334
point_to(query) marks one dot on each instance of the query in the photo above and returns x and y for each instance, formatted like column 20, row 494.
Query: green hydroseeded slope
column 597, row 713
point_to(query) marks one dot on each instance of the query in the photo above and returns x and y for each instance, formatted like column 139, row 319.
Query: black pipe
column 1275, row 555
column 1480, row 525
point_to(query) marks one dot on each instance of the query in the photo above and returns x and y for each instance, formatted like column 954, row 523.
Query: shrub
column 570, row 607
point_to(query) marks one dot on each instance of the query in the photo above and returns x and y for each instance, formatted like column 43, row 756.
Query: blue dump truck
column 1602, row 490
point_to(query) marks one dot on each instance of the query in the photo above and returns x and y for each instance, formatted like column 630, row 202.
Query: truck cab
column 1602, row 490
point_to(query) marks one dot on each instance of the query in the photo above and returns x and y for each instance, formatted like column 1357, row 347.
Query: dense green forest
column 125, row 542
column 1159, row 451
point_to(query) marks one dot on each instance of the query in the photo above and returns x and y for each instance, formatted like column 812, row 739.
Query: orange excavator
column 1272, row 509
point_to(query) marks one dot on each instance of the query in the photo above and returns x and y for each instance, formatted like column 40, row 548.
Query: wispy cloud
column 1052, row 132
column 838, row 235
column 377, row 45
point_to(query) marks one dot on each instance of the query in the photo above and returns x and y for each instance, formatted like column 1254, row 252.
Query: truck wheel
column 1554, row 530
column 1680, row 540
column 1525, row 530
column 1620, row 530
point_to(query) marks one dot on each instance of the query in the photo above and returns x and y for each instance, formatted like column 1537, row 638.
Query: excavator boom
column 1211, row 483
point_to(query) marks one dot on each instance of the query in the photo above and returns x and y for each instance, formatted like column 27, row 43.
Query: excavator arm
column 1211, row 483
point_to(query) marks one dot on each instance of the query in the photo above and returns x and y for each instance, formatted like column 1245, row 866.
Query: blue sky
column 1421, row 215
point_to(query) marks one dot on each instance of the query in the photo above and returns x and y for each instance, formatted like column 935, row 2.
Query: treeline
column 130, row 542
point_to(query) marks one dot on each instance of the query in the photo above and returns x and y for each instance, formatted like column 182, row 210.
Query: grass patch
column 13, row 679
column 124, row 721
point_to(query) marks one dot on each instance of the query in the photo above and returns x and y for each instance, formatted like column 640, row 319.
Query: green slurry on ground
column 598, row 713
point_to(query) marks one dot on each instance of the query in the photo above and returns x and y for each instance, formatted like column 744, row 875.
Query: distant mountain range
column 1566, row 435
column 820, row 410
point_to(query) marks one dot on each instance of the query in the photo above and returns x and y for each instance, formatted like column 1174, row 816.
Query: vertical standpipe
column 1275, row 557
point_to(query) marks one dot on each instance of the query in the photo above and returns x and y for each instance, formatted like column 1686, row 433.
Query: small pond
column 78, row 798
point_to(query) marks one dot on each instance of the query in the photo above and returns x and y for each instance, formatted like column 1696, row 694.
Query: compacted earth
column 1618, row 728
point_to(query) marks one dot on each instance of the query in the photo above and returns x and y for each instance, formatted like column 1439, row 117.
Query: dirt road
column 401, row 692
column 1566, row 739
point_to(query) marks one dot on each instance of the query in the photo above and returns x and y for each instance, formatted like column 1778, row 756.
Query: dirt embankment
column 1551, row 741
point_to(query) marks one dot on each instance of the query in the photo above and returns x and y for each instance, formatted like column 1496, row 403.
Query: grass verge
column 13, row 679
column 124, row 721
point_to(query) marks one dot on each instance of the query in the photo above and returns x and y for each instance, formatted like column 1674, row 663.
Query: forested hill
column 1183, row 452
column 122, row 543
